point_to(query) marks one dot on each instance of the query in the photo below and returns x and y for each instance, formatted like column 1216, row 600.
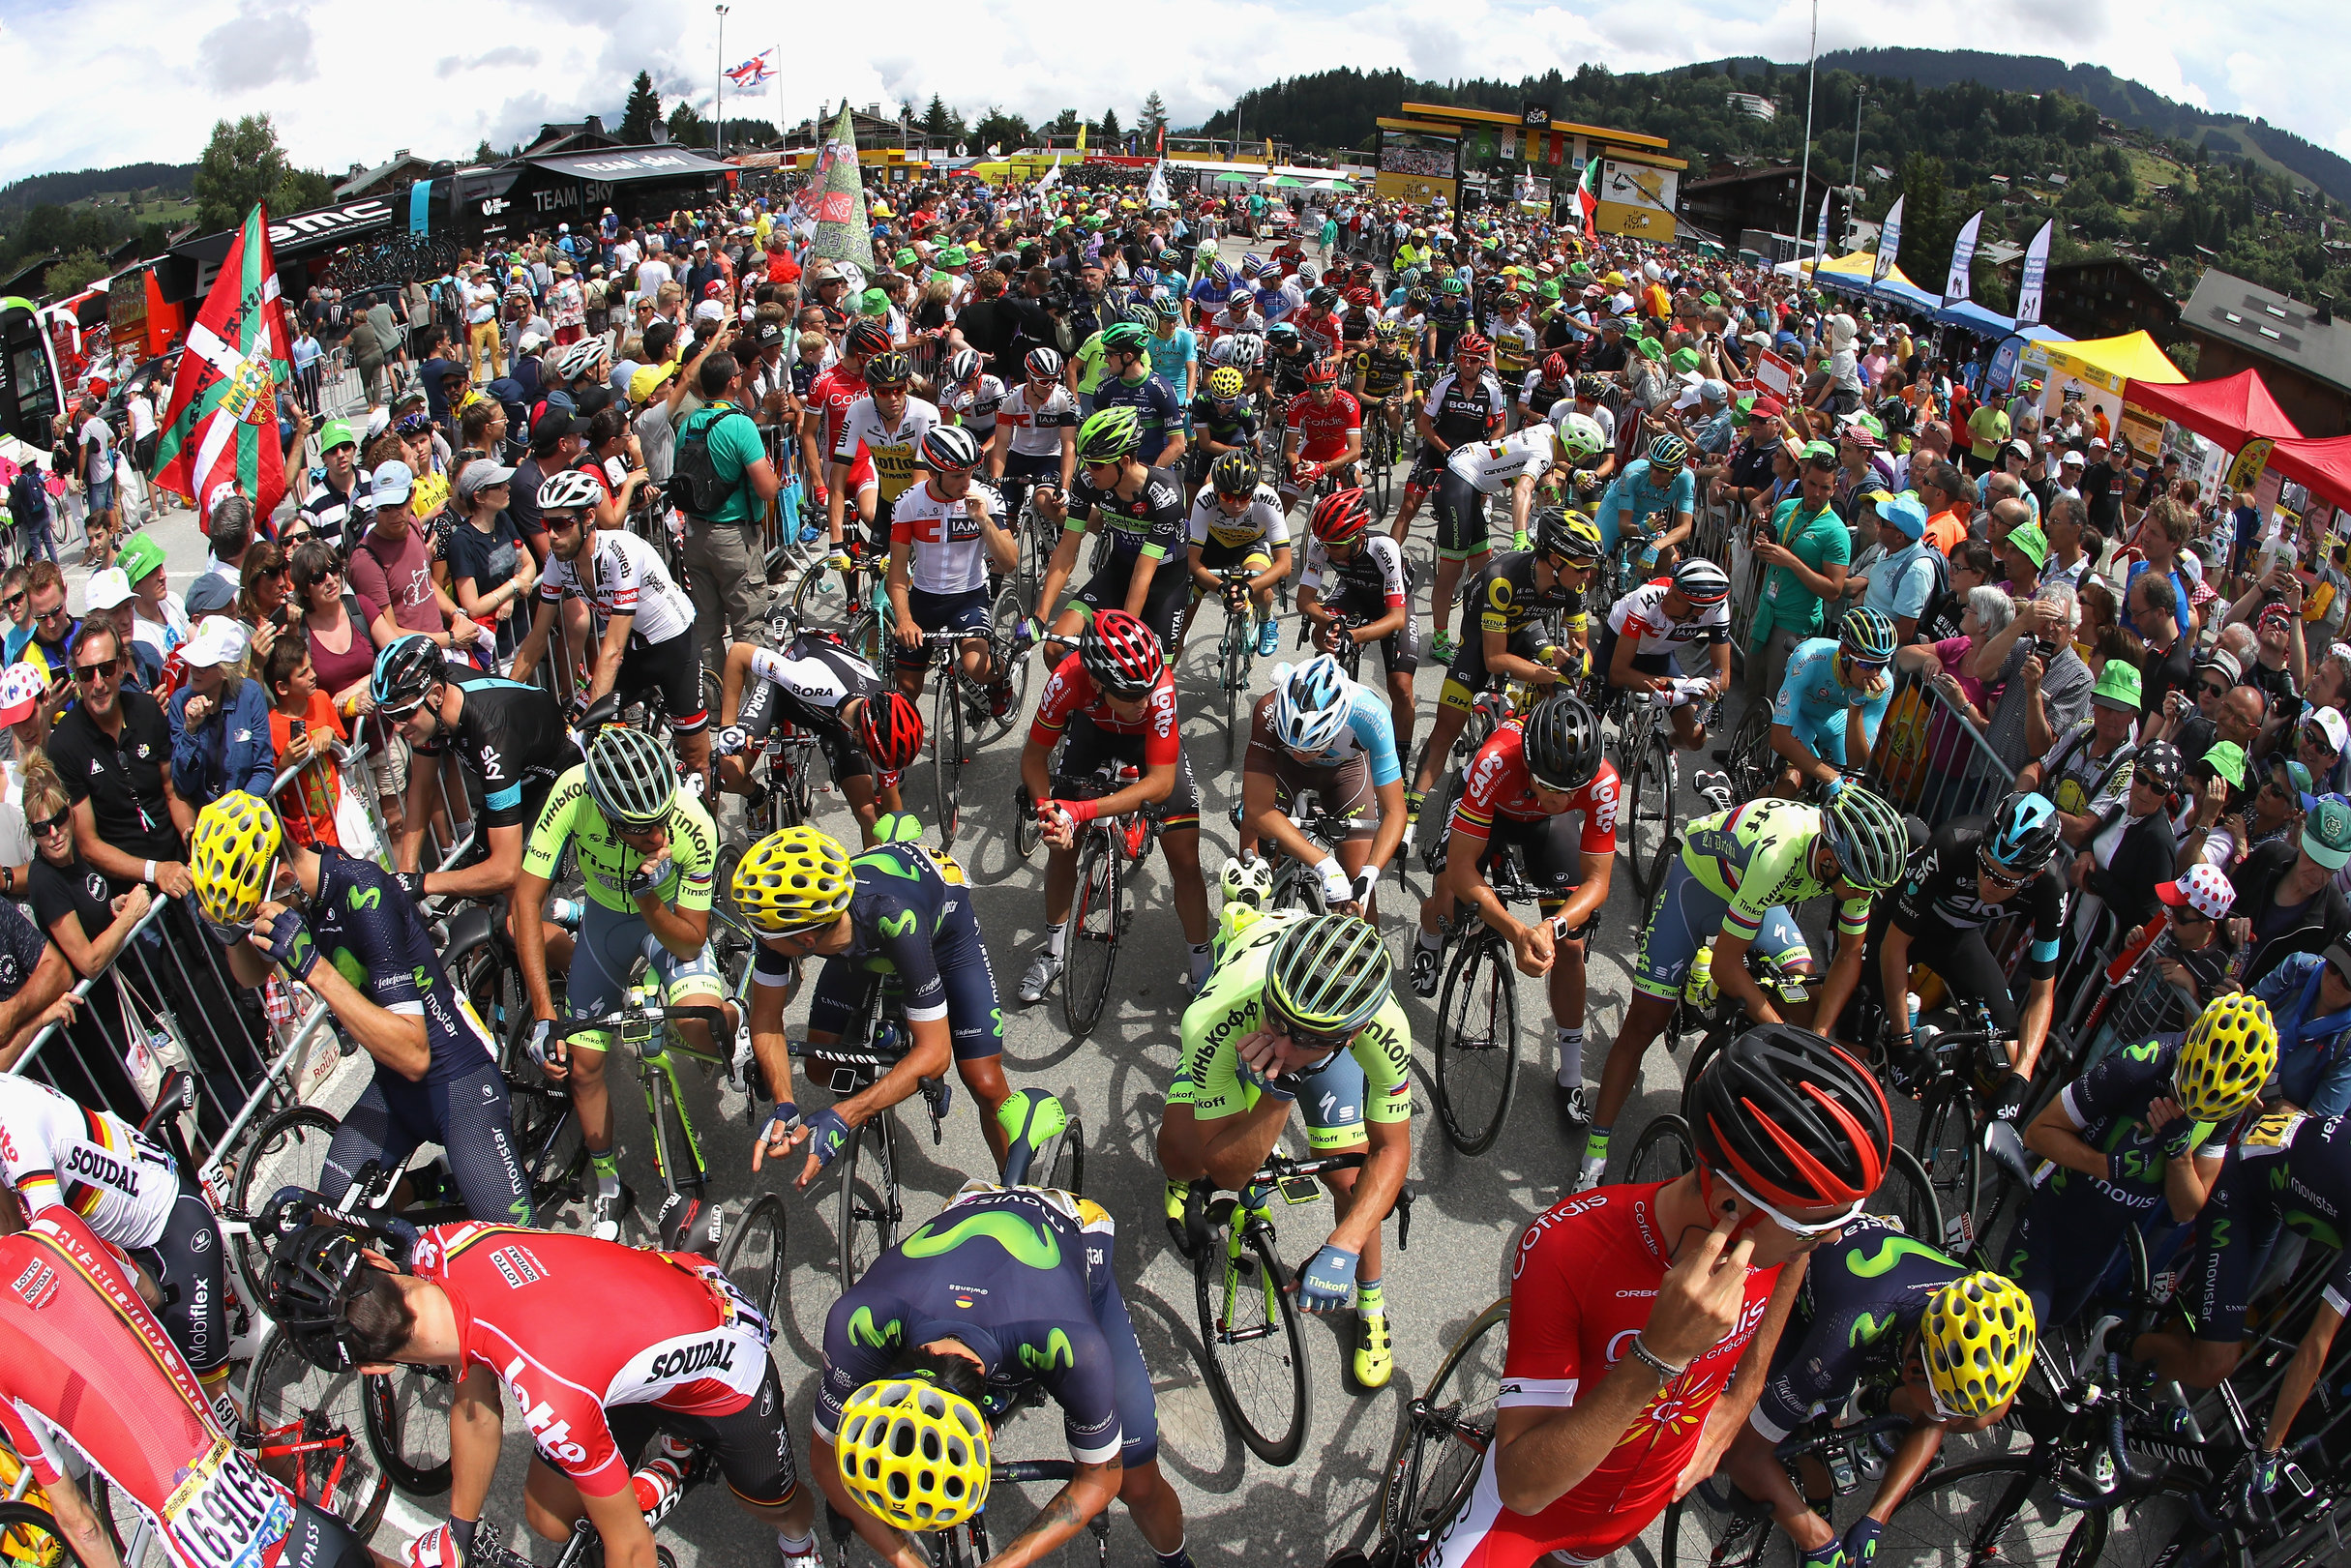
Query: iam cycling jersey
column 1812, row 702
column 53, row 1151
column 2290, row 1170
column 575, row 1327
column 1758, row 857
column 1465, row 411
column 1322, row 430
column 1497, row 784
column 1632, row 501
column 1036, row 427
column 892, row 446
column 1583, row 1284
column 1491, row 465
column 1383, row 374
column 624, row 576
column 607, row 865
column 1072, row 692
column 1147, row 528
column 948, row 553
column 975, row 406
column 511, row 742
column 1863, row 1297
column 1261, row 530
column 1641, row 615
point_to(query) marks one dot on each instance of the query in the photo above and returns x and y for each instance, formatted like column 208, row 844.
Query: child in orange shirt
column 303, row 722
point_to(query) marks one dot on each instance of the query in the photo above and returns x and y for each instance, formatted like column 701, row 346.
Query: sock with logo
column 1200, row 964
column 1596, row 1144
column 1368, row 1299
column 1428, row 941
column 606, row 1163
column 1571, row 1057
column 1058, row 940
column 1177, row 1559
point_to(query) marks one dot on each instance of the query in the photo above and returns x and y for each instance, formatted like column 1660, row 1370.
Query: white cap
column 2074, row 457
column 219, row 639
column 108, row 588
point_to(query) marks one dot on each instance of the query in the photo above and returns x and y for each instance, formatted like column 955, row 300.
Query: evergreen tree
column 1109, row 127
column 938, row 122
column 642, row 113
column 1155, row 115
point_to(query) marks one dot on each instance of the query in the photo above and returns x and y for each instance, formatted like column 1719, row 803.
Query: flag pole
column 718, row 128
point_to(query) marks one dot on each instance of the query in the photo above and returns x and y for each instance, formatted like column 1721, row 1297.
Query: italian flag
column 1588, row 194
column 219, row 431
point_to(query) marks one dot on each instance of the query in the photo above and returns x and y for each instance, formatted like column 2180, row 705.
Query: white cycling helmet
column 1248, row 884
column 1580, row 438
column 1310, row 704
column 568, row 491
column 581, row 358
column 1248, row 349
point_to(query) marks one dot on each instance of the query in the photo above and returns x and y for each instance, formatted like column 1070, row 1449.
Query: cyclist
column 1474, row 473
column 1518, row 791
column 970, row 396
column 1004, row 1290
column 90, row 1383
column 2137, row 1140
column 1238, row 521
column 1642, row 1319
column 1831, row 699
column 1649, row 626
column 1128, row 383
column 1655, row 500
column 1356, row 588
column 815, row 683
column 1288, row 358
column 1509, row 595
column 1914, row 1335
column 606, row 1351
column 1544, row 389
column 1116, row 697
column 646, row 849
column 1465, row 403
column 644, row 623
column 833, row 394
column 1036, row 434
column 1589, row 390
column 947, row 543
column 886, row 425
column 1317, row 730
column 1140, row 511
column 1972, row 873
column 1301, row 1009
column 1739, row 874
column 1326, row 434
column 345, row 929
column 1224, row 420
column 1449, row 319
column 1383, row 374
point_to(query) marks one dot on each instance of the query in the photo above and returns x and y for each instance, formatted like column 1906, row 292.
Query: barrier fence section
column 1931, row 760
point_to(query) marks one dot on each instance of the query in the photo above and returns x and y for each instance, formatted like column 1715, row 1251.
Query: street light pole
column 718, row 131
column 1804, row 181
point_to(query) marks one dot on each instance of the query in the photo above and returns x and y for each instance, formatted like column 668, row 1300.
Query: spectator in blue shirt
column 2309, row 997
column 220, row 721
column 1905, row 580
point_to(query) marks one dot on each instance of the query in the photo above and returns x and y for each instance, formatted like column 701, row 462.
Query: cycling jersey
column 1863, row 1297
column 1369, row 733
column 607, row 865
column 1942, row 889
column 806, row 683
column 833, row 392
column 1322, row 429
column 1261, row 526
column 1584, row 1283
column 1494, row 464
column 1375, row 576
column 1631, row 501
column 1036, row 427
column 1450, row 315
column 1812, row 702
column 1506, row 599
column 1288, row 373
column 975, row 405
column 572, row 1327
column 1210, row 296
column 1235, row 425
column 894, row 447
column 2290, row 1170
column 120, row 1182
column 1383, row 374
column 1072, row 692
column 1149, row 527
column 1641, row 615
column 511, row 743
column 1321, row 330
column 1514, row 346
column 947, row 551
column 624, row 576
column 1497, row 784
column 1470, row 412
column 374, row 937
column 1541, row 396
column 1758, row 856
column 1159, row 411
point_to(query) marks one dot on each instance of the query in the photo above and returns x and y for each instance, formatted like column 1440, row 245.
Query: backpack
column 694, row 475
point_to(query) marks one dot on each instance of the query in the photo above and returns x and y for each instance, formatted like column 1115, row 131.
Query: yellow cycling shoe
column 1374, row 1361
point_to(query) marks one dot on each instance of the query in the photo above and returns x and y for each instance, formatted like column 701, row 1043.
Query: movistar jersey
column 905, row 900
column 1758, row 856
column 1862, row 1295
column 375, row 938
column 2108, row 1108
column 606, row 864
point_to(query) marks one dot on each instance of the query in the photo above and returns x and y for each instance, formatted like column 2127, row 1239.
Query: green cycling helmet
column 1327, row 975
column 1868, row 838
column 1110, row 434
column 1453, row 286
column 1126, row 338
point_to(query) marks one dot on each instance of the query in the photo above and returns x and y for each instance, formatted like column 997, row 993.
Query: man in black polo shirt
column 113, row 751
column 556, row 445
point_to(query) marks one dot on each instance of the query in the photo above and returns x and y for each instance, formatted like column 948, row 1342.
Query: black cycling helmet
column 1236, row 473
column 407, row 668
column 313, row 1274
column 2022, row 834
column 1561, row 741
column 1791, row 1121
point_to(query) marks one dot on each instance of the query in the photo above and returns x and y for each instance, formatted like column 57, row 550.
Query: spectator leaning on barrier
column 302, row 724
column 2287, row 889
column 113, row 751
column 2087, row 769
column 1905, row 579
column 220, row 721
column 2310, row 1000
column 70, row 897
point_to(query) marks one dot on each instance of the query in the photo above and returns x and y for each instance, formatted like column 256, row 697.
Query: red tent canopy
column 2324, row 467
column 2228, row 412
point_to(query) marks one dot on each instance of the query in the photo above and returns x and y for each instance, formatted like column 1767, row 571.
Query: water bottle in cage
column 564, row 912
column 279, row 1002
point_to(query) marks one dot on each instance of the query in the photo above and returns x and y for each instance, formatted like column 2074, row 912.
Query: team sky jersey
column 1632, row 500
column 1376, row 575
column 947, row 552
column 974, row 406
column 1231, row 1006
column 904, row 900
column 572, row 1326
column 1072, row 692
column 1812, row 694
column 1461, row 410
column 511, row 740
column 376, row 938
column 1322, row 429
column 1147, row 528
column 2108, row 1108
column 1158, row 411
column 1758, row 857
column 1004, row 1270
column 1383, row 374
column 1260, row 523
column 1641, row 615
column 1036, row 427
column 1862, row 1295
column 606, row 864
column 1232, row 426
column 1288, row 373
column 1506, row 596
column 85, row 1368
column 1942, row 884
column 1497, row 784
column 56, row 1152
column 892, row 446
column 1491, row 464
column 624, row 576
column 1369, row 733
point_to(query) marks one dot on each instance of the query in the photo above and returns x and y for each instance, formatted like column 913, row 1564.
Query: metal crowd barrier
column 1931, row 760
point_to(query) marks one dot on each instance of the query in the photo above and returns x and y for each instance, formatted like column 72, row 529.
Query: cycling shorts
column 1461, row 518
column 1467, row 675
column 609, row 947
column 186, row 1260
column 1824, row 737
column 1089, row 746
column 320, row 1540
column 1344, row 790
column 1253, row 555
column 2235, row 1233
column 2067, row 1240
column 1161, row 609
column 1550, row 851
column 465, row 1112
column 1604, row 660
column 1683, row 918
column 966, row 612
column 975, row 1020
column 1485, row 1534
column 762, row 710
column 752, row 1447
column 674, row 669
column 1399, row 650
column 1427, row 463
column 1330, row 1098
column 1959, row 955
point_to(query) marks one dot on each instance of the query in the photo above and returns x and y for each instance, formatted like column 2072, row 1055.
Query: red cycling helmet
column 1341, row 517
column 867, row 337
column 1121, row 654
column 1359, row 297
column 1791, row 1121
column 1472, row 345
column 1322, row 373
column 1554, row 369
column 890, row 728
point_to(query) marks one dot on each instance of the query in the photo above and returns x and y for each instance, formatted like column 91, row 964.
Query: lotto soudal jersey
column 55, row 1153
column 947, row 551
column 1072, row 692
column 1497, row 784
column 622, row 575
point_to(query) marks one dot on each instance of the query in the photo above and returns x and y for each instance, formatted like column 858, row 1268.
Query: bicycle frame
column 647, row 1028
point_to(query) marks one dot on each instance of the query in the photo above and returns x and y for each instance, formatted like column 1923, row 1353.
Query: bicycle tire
column 867, row 638
column 284, row 1390
column 753, row 1257
column 1027, row 830
column 1065, row 1163
column 868, row 1208
column 1473, row 1050
column 1907, row 1196
column 1264, row 1312
column 549, row 1142
column 288, row 1149
column 1697, row 1533
column 1003, row 619
column 1456, row 1413
column 486, row 973
column 1649, row 801
column 1663, row 1150
column 31, row 1537
column 1233, row 675
column 405, row 1414
column 2003, row 1508
column 1749, row 759
column 1090, row 955
column 1946, row 1150
column 820, row 600
column 948, row 750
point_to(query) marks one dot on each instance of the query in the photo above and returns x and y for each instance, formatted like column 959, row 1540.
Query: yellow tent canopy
column 2110, row 362
column 1857, row 264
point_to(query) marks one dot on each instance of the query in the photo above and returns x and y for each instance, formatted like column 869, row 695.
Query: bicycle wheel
column 1476, row 1043
column 753, row 1257
column 1907, row 1196
column 1256, row 1346
column 2003, row 1509
column 1437, row 1456
column 1663, row 1150
column 1010, row 610
column 1027, row 832
column 1092, row 951
column 1716, row 1528
column 948, row 750
column 866, row 1218
column 287, row 1150
column 1233, row 674
column 29, row 1538
column 868, row 637
column 310, row 1424
column 1951, row 1163
column 547, row 1139
column 1648, row 813
column 485, row 974
column 407, row 1417
column 820, row 600
column 1749, row 759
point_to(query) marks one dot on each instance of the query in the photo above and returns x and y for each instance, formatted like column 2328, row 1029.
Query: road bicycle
column 1380, row 454
column 1102, row 908
column 962, row 713
column 1236, row 655
column 1717, row 1526
column 1647, row 763
column 1435, row 1460
column 843, row 593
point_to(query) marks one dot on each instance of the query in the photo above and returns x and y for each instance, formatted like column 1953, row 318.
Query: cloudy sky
column 100, row 83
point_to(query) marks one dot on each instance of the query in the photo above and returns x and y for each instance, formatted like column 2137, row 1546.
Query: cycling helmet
column 1472, row 345
column 1248, row 884
column 1121, row 654
column 1668, row 452
column 1416, row 299
column 963, row 365
column 791, row 881
column 1570, row 536
column 2230, row 1052
column 1386, row 331
column 1512, row 301
column 1588, row 387
column 1220, row 276
column 630, row 777
column 1167, row 307
column 315, row 1272
column 949, row 448
column 1224, row 384
column 889, row 368
column 1359, row 297
column 1554, row 369
column 1139, row 313
column 1248, row 350
column 1321, row 373
column 1562, row 743
column 580, row 359
column 1340, row 517
column 1234, row 473
column 1868, row 838
column 229, row 856
column 1321, row 299
column 570, row 490
column 1042, row 365
column 1580, row 435
column 1307, row 277
column 1453, row 286
column 1126, row 338
column 1327, row 975
column 889, row 726
column 2022, row 834
column 1791, row 1121
column 405, row 670
column 1978, row 1343
column 914, row 1453
column 1409, row 278
column 1283, row 332
column 1110, row 434
column 1310, row 705
column 1171, row 260
column 866, row 338
column 1700, row 582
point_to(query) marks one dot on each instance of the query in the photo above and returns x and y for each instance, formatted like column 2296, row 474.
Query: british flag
column 754, row 72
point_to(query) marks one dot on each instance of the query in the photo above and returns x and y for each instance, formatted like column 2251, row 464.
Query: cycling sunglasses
column 1807, row 1228
column 1993, row 872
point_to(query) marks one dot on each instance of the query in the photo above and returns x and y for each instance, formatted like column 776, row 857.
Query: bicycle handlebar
column 656, row 1013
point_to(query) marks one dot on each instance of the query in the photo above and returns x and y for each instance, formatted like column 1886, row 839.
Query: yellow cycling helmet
column 793, row 879
column 2230, row 1052
column 229, row 856
column 915, row 1454
column 1224, row 382
column 1977, row 1338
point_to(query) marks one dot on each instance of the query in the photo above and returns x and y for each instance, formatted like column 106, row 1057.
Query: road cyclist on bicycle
column 1655, row 500
column 1355, row 587
column 1224, row 420
column 1519, row 791
column 1831, row 699
column 815, row 683
column 1384, row 377
column 948, row 545
column 1035, row 442
column 1466, row 403
column 886, row 425
column 1738, row 876
column 1325, row 433
column 895, row 909
column 1643, row 644
column 1317, row 730
column 1238, row 521
column 1474, row 472
column 1301, row 1009
column 1140, row 511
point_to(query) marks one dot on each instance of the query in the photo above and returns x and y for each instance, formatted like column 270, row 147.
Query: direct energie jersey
column 1260, row 525
column 606, row 864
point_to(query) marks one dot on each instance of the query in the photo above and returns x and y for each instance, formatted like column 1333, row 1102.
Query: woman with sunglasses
column 264, row 596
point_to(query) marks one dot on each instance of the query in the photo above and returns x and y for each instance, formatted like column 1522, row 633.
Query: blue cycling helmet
column 1220, row 276
column 1310, row 705
column 1867, row 634
column 2022, row 834
column 1282, row 332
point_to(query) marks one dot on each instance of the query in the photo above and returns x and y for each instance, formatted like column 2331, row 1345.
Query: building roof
column 2270, row 325
column 369, row 181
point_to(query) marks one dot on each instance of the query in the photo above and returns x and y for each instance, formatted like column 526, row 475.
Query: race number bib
column 227, row 1513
